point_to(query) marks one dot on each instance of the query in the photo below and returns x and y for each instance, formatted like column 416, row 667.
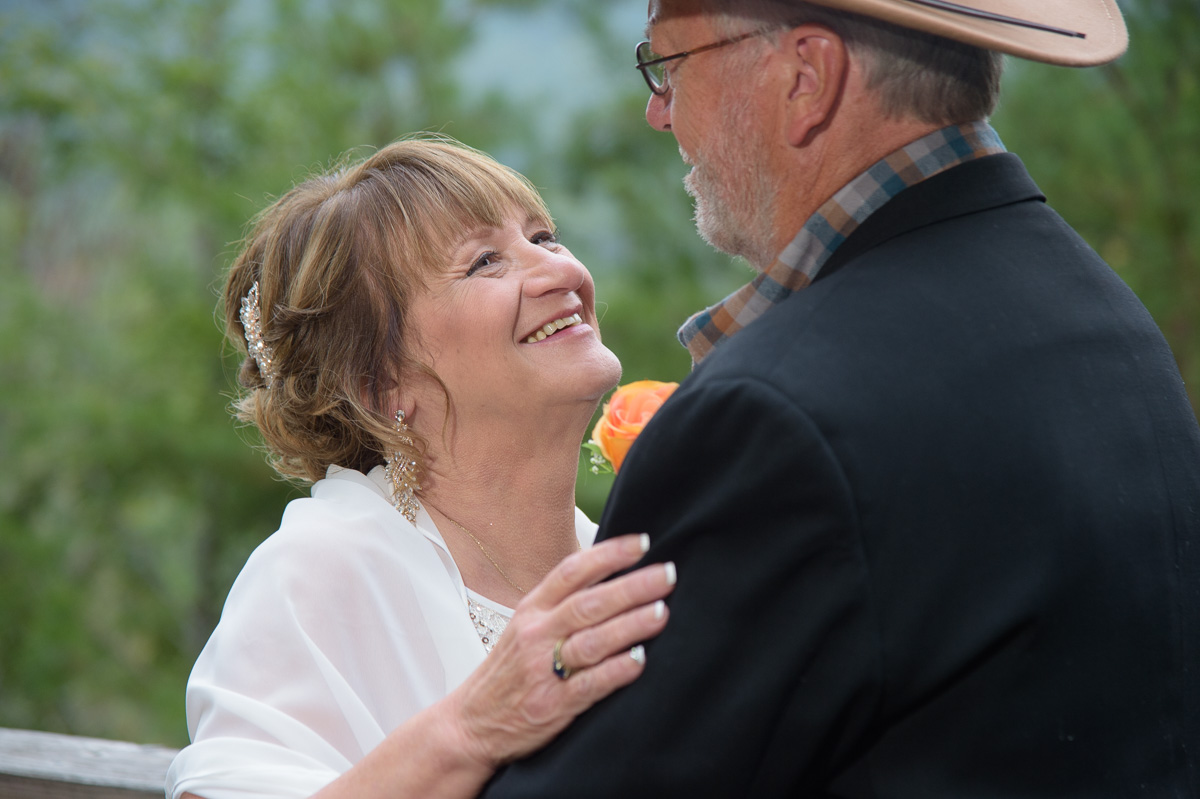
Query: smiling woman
column 421, row 347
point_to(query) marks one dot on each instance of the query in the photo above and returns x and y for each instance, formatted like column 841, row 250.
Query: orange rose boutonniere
column 622, row 420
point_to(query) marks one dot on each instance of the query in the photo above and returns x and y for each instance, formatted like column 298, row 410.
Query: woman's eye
column 483, row 262
column 544, row 237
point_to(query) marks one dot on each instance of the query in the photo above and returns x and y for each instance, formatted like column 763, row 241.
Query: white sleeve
column 340, row 627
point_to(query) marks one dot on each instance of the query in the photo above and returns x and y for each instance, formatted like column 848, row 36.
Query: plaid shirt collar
column 800, row 262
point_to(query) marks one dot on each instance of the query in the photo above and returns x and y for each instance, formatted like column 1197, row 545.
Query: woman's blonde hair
column 337, row 260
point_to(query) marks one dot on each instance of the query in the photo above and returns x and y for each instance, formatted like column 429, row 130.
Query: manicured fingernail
column 660, row 608
column 669, row 569
column 644, row 542
column 638, row 653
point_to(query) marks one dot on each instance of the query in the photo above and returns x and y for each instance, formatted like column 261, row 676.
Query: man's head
column 777, row 103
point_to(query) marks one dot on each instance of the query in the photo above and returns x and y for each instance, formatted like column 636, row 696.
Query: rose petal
column 626, row 414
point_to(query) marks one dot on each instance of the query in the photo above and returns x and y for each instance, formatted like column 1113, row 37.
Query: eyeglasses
column 655, row 73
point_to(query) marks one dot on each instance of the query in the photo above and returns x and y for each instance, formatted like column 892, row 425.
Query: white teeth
column 550, row 328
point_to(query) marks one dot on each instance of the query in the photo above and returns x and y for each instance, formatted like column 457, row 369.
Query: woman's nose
column 658, row 113
column 555, row 272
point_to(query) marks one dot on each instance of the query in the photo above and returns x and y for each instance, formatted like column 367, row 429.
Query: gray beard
column 734, row 219
column 735, row 198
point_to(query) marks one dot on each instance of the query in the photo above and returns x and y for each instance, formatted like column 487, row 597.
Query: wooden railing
column 48, row 766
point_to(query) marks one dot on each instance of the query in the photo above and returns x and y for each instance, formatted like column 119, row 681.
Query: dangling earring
column 401, row 470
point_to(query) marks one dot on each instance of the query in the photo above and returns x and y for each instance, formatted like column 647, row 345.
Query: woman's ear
column 386, row 396
column 817, row 60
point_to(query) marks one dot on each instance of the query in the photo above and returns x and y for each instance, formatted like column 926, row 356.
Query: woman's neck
column 505, row 505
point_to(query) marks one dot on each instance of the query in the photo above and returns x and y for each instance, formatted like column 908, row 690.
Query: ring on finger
column 561, row 670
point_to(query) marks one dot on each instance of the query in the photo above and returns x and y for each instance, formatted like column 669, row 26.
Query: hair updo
column 337, row 260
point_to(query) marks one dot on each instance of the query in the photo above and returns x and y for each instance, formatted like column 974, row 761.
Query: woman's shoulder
column 343, row 499
column 344, row 561
column 344, row 513
column 343, row 538
column 345, row 614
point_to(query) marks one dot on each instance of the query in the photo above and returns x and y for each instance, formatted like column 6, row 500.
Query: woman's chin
column 607, row 372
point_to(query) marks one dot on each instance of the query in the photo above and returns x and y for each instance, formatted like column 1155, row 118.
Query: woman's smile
column 550, row 328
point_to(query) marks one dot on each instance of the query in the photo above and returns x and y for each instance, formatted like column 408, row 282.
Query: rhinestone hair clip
column 251, row 316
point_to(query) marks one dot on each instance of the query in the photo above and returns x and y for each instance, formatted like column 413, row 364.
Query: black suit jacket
column 937, row 524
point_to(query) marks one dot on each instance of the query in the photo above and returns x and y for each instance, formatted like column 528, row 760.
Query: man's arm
column 769, row 666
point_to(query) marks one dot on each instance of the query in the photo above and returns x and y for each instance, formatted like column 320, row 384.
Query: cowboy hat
column 1074, row 33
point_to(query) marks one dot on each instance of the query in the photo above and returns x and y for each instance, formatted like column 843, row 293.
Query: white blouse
column 341, row 625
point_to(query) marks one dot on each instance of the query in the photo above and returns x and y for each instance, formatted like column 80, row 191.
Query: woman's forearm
column 426, row 756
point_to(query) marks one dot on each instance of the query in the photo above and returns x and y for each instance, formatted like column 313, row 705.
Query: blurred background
column 138, row 136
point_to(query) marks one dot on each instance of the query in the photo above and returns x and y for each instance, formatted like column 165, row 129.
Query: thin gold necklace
column 487, row 555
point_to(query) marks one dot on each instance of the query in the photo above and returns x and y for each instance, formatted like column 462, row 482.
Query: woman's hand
column 515, row 703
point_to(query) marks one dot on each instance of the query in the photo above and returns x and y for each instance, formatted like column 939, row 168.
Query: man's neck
column 832, row 159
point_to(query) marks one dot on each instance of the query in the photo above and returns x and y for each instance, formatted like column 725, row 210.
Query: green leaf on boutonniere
column 600, row 464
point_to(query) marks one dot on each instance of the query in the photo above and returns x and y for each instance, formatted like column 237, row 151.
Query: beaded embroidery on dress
column 488, row 623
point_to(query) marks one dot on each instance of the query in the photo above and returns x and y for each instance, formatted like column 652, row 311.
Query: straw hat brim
column 1085, row 32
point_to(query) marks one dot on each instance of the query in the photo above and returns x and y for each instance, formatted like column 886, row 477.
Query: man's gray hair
column 916, row 75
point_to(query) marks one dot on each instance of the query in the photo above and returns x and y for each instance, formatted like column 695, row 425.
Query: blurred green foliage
column 1117, row 152
column 138, row 136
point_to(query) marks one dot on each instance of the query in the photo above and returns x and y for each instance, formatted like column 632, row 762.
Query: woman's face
column 510, row 327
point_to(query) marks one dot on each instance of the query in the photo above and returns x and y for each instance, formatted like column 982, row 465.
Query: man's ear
column 818, row 65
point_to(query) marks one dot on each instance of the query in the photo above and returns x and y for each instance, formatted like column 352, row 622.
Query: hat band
column 944, row 5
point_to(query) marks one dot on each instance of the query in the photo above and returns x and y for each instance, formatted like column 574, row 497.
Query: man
column 933, row 488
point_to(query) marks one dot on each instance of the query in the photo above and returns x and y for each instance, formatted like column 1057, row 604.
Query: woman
column 424, row 350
